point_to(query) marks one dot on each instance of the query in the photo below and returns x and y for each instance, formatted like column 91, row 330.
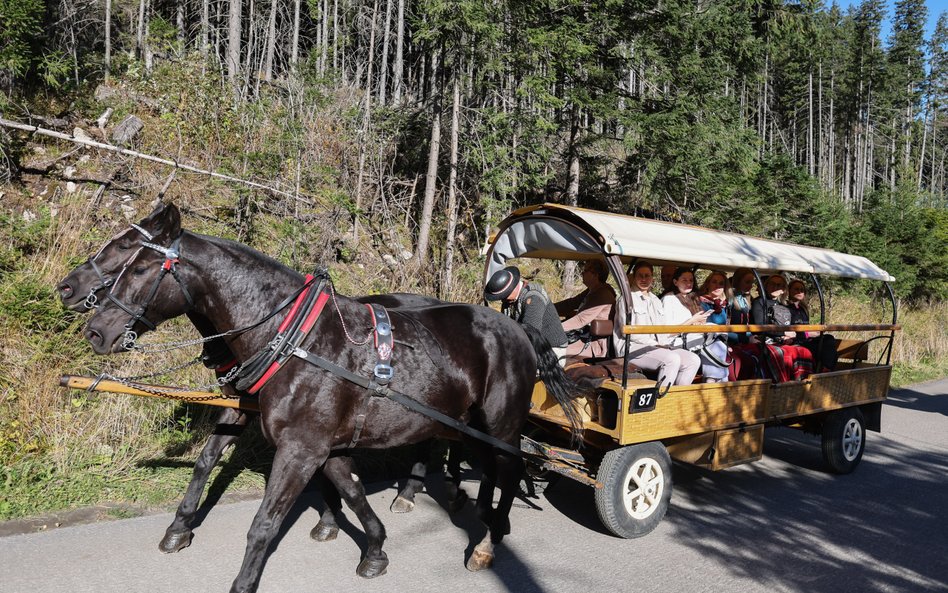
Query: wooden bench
column 855, row 350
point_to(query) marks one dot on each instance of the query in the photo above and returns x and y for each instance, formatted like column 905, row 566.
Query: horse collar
column 261, row 367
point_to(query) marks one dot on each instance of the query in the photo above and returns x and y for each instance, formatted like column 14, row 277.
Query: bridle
column 170, row 265
column 172, row 255
column 92, row 299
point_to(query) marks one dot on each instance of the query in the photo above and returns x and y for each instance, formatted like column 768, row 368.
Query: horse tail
column 563, row 389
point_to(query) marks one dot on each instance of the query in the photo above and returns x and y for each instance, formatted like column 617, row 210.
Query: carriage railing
column 754, row 329
column 630, row 330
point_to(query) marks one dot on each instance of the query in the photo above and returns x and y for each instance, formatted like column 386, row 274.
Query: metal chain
column 345, row 330
column 169, row 346
column 170, row 392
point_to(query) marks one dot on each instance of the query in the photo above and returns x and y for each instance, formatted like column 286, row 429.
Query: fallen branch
column 147, row 157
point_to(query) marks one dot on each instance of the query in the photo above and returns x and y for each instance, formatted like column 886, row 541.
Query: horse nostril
column 94, row 337
column 65, row 290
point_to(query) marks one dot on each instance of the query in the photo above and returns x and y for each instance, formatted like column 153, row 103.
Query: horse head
column 141, row 297
column 79, row 290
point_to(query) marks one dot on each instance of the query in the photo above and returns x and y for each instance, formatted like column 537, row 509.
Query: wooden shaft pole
column 90, row 384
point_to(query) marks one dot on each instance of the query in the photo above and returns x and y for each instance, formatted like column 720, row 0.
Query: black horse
column 80, row 291
column 467, row 362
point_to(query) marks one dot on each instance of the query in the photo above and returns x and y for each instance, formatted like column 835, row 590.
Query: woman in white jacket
column 682, row 308
column 653, row 352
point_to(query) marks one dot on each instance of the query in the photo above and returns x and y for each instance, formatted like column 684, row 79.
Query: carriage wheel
column 637, row 487
column 844, row 439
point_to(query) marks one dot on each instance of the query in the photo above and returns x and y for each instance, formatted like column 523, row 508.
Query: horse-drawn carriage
column 630, row 428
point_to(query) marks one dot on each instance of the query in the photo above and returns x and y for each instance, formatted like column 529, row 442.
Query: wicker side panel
column 841, row 388
column 738, row 445
column 696, row 408
column 785, row 399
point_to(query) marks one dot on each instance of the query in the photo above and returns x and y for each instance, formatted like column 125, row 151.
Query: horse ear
column 164, row 221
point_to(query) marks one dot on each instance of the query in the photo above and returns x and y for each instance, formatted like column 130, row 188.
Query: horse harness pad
column 384, row 343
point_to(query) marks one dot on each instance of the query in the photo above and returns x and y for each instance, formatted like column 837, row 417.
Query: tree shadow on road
column 875, row 528
column 919, row 401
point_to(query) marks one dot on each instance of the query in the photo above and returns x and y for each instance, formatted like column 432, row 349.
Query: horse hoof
column 457, row 503
column 402, row 505
column 480, row 560
column 324, row 533
column 175, row 541
column 372, row 567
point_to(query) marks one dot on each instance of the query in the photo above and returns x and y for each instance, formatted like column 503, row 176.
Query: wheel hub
column 645, row 484
column 852, row 439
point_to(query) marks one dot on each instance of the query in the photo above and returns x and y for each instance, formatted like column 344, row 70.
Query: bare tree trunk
column 252, row 36
column 431, row 178
column 233, row 44
column 386, row 38
column 324, row 47
column 572, row 189
column 811, row 165
column 182, row 32
column 452, row 191
column 335, row 34
column 108, row 38
column 367, row 119
column 294, row 51
column 399, row 43
column 271, row 42
column 921, row 153
column 205, row 28
column 140, row 30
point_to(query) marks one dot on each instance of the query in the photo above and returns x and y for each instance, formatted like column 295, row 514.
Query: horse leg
column 508, row 471
column 405, row 501
column 484, row 505
column 327, row 528
column 293, row 466
column 341, row 471
column 457, row 497
column 178, row 535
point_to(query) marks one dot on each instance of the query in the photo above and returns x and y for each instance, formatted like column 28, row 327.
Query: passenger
column 526, row 303
column 714, row 351
column 772, row 309
column 742, row 281
column 822, row 346
column 682, row 308
column 595, row 302
column 675, row 366
column 668, row 270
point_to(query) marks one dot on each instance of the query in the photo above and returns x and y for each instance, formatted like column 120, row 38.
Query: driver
column 527, row 303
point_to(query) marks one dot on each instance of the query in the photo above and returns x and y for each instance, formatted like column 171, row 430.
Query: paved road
column 777, row 525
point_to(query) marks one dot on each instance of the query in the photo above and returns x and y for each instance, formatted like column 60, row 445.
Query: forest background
column 392, row 135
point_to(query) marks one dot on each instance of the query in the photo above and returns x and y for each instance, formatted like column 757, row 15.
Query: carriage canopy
column 554, row 231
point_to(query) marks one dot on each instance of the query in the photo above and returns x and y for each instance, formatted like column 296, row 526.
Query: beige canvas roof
column 563, row 232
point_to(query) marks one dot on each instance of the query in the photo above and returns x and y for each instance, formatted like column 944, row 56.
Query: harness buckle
column 383, row 373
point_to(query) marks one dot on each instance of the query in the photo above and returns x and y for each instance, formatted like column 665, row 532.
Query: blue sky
column 935, row 8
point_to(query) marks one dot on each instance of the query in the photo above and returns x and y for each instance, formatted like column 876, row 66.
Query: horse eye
column 124, row 246
column 139, row 270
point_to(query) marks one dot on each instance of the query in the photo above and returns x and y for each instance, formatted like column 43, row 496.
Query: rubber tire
column 839, row 427
column 614, row 474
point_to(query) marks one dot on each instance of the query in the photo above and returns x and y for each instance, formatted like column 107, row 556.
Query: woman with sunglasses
column 790, row 362
column 821, row 346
